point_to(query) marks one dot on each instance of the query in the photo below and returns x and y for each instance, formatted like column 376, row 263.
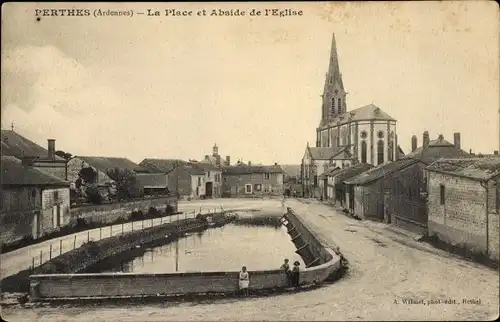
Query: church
column 343, row 138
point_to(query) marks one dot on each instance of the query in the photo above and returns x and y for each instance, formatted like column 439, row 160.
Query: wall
column 109, row 213
column 20, row 198
column 234, row 185
column 407, row 207
column 214, row 176
column 111, row 285
column 15, row 225
column 461, row 220
column 76, row 164
column 49, row 218
column 197, row 186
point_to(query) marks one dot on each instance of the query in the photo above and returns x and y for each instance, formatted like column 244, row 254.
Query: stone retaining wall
column 109, row 213
column 112, row 285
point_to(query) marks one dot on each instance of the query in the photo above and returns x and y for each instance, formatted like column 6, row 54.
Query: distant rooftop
column 482, row 168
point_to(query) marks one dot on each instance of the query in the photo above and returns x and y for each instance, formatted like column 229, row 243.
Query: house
column 243, row 180
column 323, row 182
column 152, row 183
column 463, row 203
column 291, row 179
column 394, row 192
column 213, row 179
column 15, row 145
column 183, row 177
column 318, row 160
column 34, row 203
column 336, row 188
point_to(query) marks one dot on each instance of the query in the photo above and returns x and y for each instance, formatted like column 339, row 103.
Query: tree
column 126, row 183
column 87, row 176
column 64, row 155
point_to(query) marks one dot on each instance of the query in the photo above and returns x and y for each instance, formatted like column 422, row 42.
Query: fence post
column 33, row 263
column 50, row 252
column 142, row 224
column 152, row 222
column 111, row 231
column 40, row 257
column 60, row 247
column 74, row 243
column 132, row 226
column 161, row 220
column 100, row 233
column 88, row 236
column 122, row 228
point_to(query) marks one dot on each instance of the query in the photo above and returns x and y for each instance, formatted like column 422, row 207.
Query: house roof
column 380, row 171
column 206, row 166
column 291, row 170
column 346, row 173
column 16, row 173
column 107, row 163
column 325, row 174
column 168, row 165
column 246, row 169
column 367, row 112
column 14, row 144
column 437, row 149
column 152, row 180
column 327, row 153
column 483, row 168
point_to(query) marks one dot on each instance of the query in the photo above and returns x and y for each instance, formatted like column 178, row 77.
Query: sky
column 170, row 87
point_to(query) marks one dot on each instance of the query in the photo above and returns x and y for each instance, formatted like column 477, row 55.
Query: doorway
column 209, row 188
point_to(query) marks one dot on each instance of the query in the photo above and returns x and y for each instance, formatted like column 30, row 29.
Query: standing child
column 286, row 267
column 295, row 274
column 244, row 280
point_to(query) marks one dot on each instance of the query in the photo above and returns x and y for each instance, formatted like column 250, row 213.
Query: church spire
column 333, row 93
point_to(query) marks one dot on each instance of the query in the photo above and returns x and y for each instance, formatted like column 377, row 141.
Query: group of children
column 292, row 275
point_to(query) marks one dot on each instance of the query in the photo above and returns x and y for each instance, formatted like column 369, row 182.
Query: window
column 363, row 151
column 333, row 105
column 56, row 195
column 380, row 134
column 315, row 180
column 391, row 150
column 208, row 174
column 266, row 176
column 380, row 152
column 364, row 135
column 258, row 187
column 442, row 192
column 199, row 181
column 248, row 188
column 225, row 179
column 331, row 79
column 339, row 107
column 266, row 188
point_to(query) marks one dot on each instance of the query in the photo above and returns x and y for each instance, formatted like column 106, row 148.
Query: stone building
column 34, row 203
column 243, row 180
column 398, row 188
column 213, row 179
column 336, row 188
column 463, row 202
column 184, row 178
column 32, row 154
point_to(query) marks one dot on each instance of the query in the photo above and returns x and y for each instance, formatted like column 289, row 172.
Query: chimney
column 228, row 160
column 414, row 143
column 275, row 163
column 425, row 138
column 249, row 163
column 495, row 152
column 456, row 140
column 440, row 137
column 51, row 146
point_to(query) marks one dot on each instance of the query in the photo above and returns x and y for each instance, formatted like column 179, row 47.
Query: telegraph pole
column 178, row 227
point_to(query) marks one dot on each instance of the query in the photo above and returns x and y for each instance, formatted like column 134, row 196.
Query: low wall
column 109, row 213
column 113, row 285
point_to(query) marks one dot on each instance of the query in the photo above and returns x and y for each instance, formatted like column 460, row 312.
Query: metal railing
column 66, row 244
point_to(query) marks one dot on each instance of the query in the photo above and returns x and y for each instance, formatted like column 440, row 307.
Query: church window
column 363, row 151
column 363, row 135
column 380, row 152
column 339, row 105
column 380, row 134
column 333, row 105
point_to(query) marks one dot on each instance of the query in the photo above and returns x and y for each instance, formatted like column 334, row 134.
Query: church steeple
column 334, row 94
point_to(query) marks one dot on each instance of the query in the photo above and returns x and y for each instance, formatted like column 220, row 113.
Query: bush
column 137, row 215
column 153, row 212
column 169, row 210
column 93, row 195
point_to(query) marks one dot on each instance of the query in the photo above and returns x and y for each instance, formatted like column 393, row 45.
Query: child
column 286, row 268
column 244, row 281
column 295, row 274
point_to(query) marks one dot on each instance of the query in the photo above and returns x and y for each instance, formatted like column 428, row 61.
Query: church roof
column 328, row 153
column 364, row 113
